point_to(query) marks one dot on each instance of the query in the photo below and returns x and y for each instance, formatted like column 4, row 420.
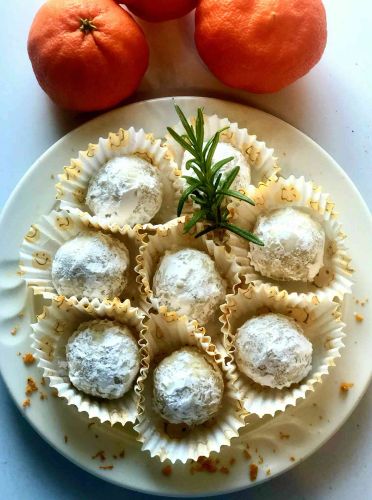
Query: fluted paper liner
column 73, row 183
column 171, row 237
column 164, row 335
column 50, row 335
column 321, row 322
column 44, row 239
column 261, row 158
column 334, row 278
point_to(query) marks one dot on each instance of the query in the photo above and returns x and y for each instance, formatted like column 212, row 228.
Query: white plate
column 308, row 426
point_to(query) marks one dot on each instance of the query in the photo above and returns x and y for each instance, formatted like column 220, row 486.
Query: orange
column 159, row 10
column 260, row 45
column 88, row 54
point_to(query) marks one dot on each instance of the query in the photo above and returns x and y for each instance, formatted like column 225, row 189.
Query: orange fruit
column 260, row 45
column 159, row 10
column 87, row 55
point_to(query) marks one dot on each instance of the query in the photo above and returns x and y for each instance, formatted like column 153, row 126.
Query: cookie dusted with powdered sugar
column 272, row 350
column 103, row 358
column 187, row 282
column 92, row 265
column 293, row 245
column 188, row 387
column 126, row 190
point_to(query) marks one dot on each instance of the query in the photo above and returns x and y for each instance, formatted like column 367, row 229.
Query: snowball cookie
column 187, row 282
column 293, row 245
column 272, row 350
column 91, row 265
column 225, row 150
column 126, row 190
column 188, row 387
column 103, row 358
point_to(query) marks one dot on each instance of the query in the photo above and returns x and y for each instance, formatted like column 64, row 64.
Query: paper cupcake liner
column 73, row 183
column 261, row 158
column 44, row 239
column 171, row 236
column 334, row 278
column 50, row 336
column 322, row 325
column 164, row 335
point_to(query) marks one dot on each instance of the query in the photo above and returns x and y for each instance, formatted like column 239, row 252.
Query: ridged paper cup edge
column 73, row 182
column 321, row 321
column 299, row 193
column 201, row 440
column 50, row 334
column 171, row 236
column 44, row 238
column 260, row 157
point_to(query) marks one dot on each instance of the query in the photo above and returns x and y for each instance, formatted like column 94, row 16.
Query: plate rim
column 4, row 216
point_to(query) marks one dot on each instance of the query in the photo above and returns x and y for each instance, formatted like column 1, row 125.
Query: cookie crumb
column 30, row 386
column 282, row 435
column 224, row 470
column 292, row 459
column 253, row 471
column 260, row 459
column 247, row 455
column 122, row 454
column 28, row 358
column 42, row 381
column 345, row 386
column 26, row 403
column 43, row 396
column 65, row 438
column 21, row 315
column 358, row 317
column 232, row 461
column 268, row 472
column 106, row 467
column 167, row 470
column 14, row 330
column 100, row 454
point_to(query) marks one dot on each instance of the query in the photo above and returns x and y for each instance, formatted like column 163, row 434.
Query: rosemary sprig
column 208, row 188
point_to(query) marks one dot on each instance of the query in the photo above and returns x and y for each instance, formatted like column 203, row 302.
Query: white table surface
column 333, row 105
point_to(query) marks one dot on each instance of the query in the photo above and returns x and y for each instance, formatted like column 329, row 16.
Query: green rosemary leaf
column 235, row 194
column 200, row 214
column 217, row 166
column 199, row 200
column 217, row 181
column 192, row 181
column 207, row 187
column 199, row 128
column 211, row 151
column 206, row 230
column 229, row 178
column 243, row 233
column 188, row 128
column 188, row 191
column 181, row 141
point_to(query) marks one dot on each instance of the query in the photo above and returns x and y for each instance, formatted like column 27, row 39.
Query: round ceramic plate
column 274, row 445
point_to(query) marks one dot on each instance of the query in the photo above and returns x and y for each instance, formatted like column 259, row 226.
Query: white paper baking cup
column 73, row 183
column 261, row 158
column 164, row 335
column 171, row 237
column 50, row 335
column 322, row 325
column 334, row 278
column 44, row 239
